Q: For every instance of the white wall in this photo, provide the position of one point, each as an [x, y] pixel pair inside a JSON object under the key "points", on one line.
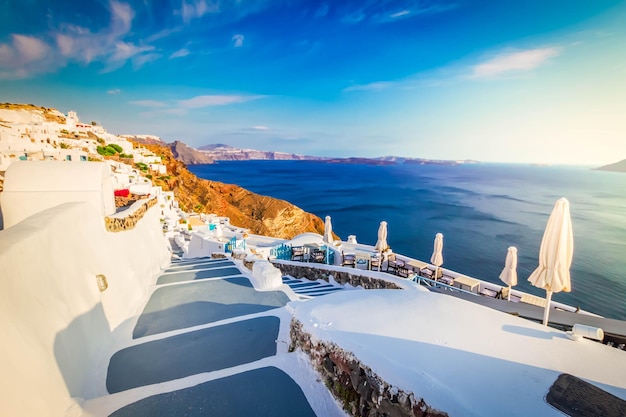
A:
{"points": [[56, 325], [33, 186]]}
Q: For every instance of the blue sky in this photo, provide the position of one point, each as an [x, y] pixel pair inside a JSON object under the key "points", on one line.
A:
{"points": [[503, 81]]}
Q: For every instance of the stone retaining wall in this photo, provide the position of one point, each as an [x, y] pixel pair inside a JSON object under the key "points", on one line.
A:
{"points": [[349, 276], [362, 392], [120, 224]]}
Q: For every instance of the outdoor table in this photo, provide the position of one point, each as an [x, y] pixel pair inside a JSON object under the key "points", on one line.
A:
{"points": [[417, 266], [471, 283]]}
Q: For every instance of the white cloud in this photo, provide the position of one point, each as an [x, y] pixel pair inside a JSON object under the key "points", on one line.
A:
{"points": [[214, 100], [107, 45], [29, 48], [160, 112], [260, 128], [180, 53], [148, 103], [375, 86], [24, 56], [513, 62], [400, 14], [141, 60], [238, 40], [198, 8], [114, 91]]}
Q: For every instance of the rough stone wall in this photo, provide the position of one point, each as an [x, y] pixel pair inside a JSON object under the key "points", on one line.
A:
{"points": [[362, 392], [119, 224], [349, 276]]}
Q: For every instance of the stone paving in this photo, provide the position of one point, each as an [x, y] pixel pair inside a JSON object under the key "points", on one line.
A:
{"points": [[199, 293]]}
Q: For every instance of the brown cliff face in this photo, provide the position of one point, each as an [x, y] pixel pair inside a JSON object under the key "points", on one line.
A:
{"points": [[260, 214]]}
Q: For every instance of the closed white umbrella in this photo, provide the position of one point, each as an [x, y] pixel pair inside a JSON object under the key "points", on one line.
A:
{"points": [[509, 273], [381, 243], [555, 255], [437, 256], [328, 231]]}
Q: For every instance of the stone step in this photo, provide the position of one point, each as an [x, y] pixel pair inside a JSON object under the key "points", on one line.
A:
{"points": [[264, 392], [192, 353], [195, 303]]}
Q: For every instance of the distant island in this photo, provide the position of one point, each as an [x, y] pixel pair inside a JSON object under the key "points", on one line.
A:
{"points": [[616, 167], [209, 154]]}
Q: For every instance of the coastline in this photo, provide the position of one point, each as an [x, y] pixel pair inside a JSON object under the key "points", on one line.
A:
{"points": [[478, 222]]}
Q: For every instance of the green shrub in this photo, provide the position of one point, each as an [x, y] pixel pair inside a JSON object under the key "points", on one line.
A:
{"points": [[126, 155], [143, 167], [105, 151], [149, 176], [117, 147]]}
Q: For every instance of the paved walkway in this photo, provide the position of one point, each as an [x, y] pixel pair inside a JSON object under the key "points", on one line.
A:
{"points": [[182, 342]]}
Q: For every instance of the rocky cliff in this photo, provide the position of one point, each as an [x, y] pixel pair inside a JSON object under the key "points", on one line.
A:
{"points": [[188, 155], [221, 152], [260, 214], [616, 167]]}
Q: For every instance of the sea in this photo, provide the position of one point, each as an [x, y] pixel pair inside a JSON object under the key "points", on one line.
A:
{"points": [[481, 209]]}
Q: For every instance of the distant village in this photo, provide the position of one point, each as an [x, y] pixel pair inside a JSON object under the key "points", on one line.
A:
{"points": [[29, 133]]}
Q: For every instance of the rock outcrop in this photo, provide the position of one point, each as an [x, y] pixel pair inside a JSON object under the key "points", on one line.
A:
{"points": [[260, 214], [221, 152], [189, 155], [616, 167]]}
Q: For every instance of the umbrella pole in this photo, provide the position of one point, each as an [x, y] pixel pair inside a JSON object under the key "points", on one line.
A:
{"points": [[508, 298], [547, 310]]}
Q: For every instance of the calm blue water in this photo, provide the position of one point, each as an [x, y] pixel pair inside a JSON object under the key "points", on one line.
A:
{"points": [[481, 210]]}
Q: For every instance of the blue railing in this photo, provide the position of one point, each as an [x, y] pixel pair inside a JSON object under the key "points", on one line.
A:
{"points": [[282, 252], [234, 244], [330, 255]]}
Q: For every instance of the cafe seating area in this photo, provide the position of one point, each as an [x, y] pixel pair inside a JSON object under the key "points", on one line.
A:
{"points": [[360, 258]]}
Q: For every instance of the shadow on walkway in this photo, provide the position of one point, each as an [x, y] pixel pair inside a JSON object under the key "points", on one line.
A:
{"points": [[265, 392], [182, 306], [193, 275], [192, 353], [201, 265]]}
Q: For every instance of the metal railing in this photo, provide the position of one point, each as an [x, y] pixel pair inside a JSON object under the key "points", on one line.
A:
{"points": [[436, 284], [235, 244], [282, 252]]}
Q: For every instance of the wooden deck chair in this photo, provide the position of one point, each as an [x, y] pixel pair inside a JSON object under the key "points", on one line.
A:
{"points": [[393, 263], [297, 253], [376, 262], [317, 255], [348, 259], [403, 271]]}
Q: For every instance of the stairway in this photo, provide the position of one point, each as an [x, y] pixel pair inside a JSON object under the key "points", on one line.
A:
{"points": [[207, 343]]}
